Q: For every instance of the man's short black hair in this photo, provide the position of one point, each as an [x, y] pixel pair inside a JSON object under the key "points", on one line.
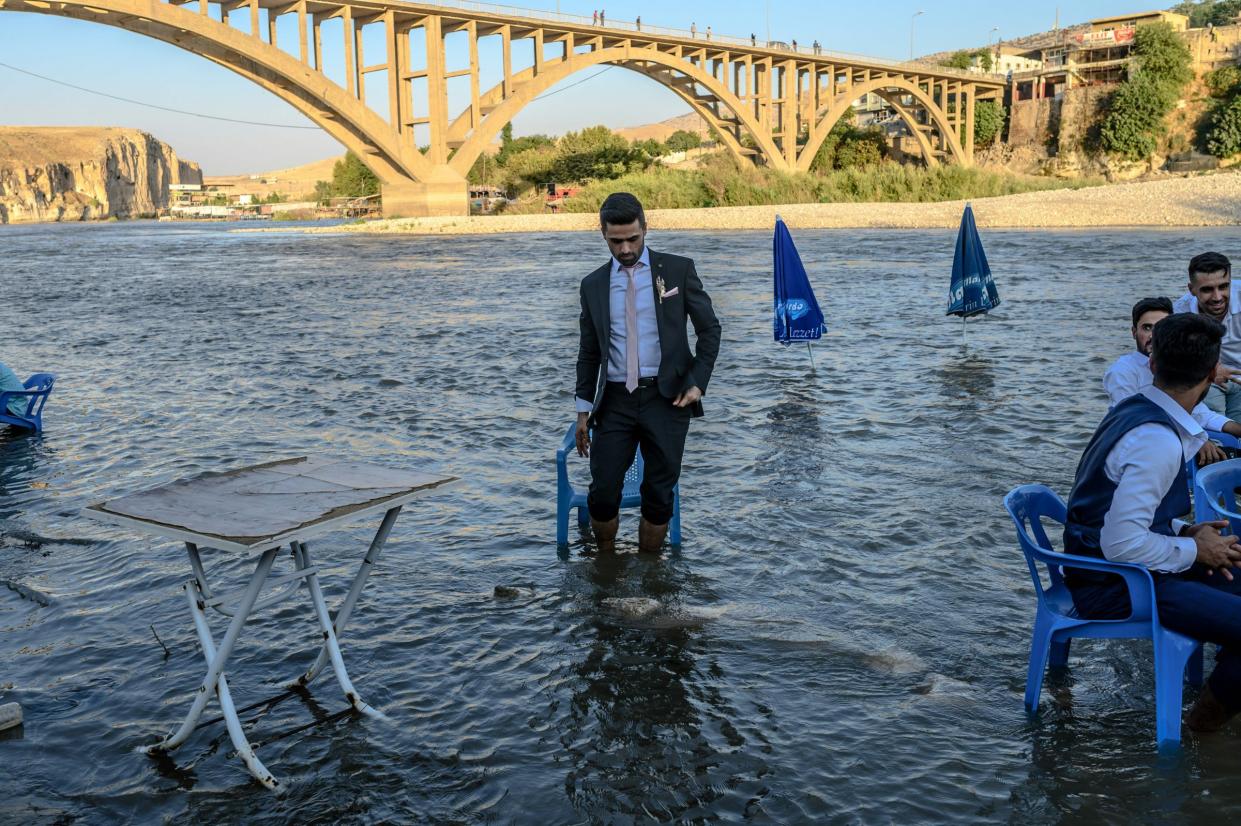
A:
{"points": [[1184, 349], [1151, 305], [1209, 262], [621, 208]]}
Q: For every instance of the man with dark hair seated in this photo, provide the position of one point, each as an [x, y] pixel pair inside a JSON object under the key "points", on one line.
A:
{"points": [[1211, 293], [1130, 488], [1131, 374]]}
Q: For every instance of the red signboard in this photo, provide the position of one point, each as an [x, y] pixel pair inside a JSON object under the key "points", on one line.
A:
{"points": [[1107, 37]]}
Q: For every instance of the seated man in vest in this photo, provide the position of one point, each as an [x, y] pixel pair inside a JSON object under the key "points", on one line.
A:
{"points": [[1130, 488], [1131, 374]]}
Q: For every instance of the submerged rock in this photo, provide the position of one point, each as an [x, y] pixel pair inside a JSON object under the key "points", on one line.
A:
{"points": [[512, 591], [632, 607]]}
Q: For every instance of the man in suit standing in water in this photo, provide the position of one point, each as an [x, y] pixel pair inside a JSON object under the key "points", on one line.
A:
{"points": [[638, 384]]}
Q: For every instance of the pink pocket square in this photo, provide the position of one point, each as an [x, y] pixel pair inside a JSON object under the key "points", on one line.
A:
{"points": [[669, 293]]}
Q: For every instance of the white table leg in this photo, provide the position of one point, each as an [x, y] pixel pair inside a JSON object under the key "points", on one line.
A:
{"points": [[329, 634], [227, 709], [217, 659], [355, 590]]}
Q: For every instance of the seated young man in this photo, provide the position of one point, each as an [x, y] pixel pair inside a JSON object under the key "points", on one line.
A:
{"points": [[1130, 488], [1131, 373]]}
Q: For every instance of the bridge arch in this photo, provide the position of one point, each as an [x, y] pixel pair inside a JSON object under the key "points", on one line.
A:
{"points": [[890, 89], [743, 90], [329, 106], [526, 85]]}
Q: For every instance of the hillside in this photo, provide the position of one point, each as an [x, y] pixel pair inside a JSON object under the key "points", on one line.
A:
{"points": [[71, 173]]}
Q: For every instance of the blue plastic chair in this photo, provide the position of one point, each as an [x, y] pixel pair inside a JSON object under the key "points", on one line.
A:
{"points": [[37, 389], [1192, 465], [1056, 621], [1215, 493], [568, 497]]}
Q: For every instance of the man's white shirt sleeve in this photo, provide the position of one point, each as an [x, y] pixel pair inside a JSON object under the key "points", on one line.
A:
{"points": [[1122, 381], [1144, 465]]}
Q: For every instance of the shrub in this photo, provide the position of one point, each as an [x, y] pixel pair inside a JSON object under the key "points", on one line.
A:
{"points": [[1224, 138], [989, 117], [683, 140], [1135, 118], [1223, 82]]}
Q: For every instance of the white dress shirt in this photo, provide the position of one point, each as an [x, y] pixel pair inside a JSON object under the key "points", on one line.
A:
{"points": [[1230, 347], [1144, 465], [649, 354], [1131, 374]]}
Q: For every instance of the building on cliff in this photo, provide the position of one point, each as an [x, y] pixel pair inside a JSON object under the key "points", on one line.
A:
{"points": [[86, 173]]}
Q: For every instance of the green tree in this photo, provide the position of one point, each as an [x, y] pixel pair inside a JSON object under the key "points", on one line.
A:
{"points": [[511, 146], [1224, 139], [594, 153], [960, 59], [531, 166], [651, 148], [1161, 51], [1214, 12], [1135, 118], [862, 149], [683, 140], [352, 179], [989, 117], [984, 59], [323, 192]]}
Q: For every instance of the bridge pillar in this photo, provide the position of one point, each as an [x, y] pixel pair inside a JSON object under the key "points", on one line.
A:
{"points": [[443, 193]]}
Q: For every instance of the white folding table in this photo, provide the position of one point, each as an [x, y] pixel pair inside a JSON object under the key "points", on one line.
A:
{"points": [[255, 511]]}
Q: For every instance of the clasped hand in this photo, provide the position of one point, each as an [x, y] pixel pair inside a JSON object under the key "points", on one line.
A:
{"points": [[1218, 552]]}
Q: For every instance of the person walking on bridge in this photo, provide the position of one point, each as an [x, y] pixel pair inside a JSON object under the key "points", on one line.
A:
{"points": [[594, 20], [693, 30], [638, 385]]}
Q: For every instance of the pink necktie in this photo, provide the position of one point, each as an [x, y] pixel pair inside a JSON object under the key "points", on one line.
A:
{"points": [[631, 332]]}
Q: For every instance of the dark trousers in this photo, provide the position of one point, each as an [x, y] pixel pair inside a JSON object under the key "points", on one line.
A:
{"points": [[628, 421], [1207, 608]]}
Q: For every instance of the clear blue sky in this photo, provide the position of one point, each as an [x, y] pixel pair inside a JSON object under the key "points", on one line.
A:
{"points": [[133, 66]]}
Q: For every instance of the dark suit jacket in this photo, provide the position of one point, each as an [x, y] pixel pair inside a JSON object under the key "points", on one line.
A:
{"points": [[679, 370]]}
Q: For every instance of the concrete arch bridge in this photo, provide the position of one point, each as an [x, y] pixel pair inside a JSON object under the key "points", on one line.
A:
{"points": [[771, 104]]}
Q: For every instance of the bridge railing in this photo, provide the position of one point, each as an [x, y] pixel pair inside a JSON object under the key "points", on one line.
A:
{"points": [[700, 36]]}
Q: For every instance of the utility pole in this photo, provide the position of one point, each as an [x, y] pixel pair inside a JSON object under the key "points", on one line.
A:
{"points": [[916, 15]]}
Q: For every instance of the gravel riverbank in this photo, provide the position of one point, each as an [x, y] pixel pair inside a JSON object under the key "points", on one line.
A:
{"points": [[1206, 200]]}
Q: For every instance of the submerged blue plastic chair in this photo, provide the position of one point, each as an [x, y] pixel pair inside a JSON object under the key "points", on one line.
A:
{"points": [[568, 497], [1056, 621], [37, 389]]}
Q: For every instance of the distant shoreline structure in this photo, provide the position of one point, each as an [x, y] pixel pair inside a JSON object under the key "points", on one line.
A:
{"points": [[1197, 201]]}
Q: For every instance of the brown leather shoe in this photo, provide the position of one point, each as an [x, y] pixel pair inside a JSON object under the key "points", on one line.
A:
{"points": [[1208, 714]]}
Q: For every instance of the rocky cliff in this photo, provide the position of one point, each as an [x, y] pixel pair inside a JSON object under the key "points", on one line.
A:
{"points": [[86, 173]]}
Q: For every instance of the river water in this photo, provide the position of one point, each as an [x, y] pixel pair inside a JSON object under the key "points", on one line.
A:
{"points": [[842, 638]]}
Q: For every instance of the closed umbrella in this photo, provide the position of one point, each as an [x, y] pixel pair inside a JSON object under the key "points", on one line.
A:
{"points": [[797, 313], [973, 289]]}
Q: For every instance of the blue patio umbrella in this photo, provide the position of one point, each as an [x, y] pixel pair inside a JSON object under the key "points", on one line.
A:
{"points": [[972, 291], [797, 313]]}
